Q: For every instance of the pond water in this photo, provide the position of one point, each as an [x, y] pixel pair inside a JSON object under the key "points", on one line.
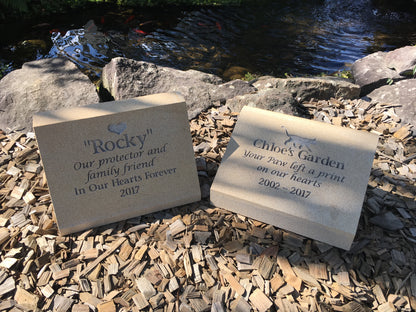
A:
{"points": [[294, 37]]}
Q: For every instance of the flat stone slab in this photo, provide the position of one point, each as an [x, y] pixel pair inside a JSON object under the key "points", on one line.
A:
{"points": [[301, 175], [116, 160]]}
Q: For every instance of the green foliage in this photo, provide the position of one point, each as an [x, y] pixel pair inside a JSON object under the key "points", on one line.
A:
{"points": [[414, 72], [16, 5], [3, 70], [248, 77], [12, 9], [172, 2], [390, 81], [347, 74]]}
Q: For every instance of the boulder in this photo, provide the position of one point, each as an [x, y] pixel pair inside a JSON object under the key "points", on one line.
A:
{"points": [[285, 95], [125, 78], [230, 89], [403, 93], [374, 70], [270, 99], [322, 88], [41, 85]]}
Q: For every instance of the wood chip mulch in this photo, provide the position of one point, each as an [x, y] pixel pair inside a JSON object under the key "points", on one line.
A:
{"points": [[202, 258]]}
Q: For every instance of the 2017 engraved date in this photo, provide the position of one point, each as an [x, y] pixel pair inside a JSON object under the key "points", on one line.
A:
{"points": [[299, 192], [132, 190]]}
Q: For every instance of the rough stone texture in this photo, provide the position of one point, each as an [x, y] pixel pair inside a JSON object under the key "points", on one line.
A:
{"points": [[231, 89], [374, 70], [42, 85], [125, 78], [402, 92], [284, 95], [322, 88], [270, 99]]}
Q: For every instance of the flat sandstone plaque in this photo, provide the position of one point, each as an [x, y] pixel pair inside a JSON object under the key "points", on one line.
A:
{"points": [[111, 161], [300, 175]]}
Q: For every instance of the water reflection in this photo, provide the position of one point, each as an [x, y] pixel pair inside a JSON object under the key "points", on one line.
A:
{"points": [[87, 47], [297, 37]]}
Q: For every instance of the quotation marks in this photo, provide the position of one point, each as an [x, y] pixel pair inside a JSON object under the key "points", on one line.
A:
{"points": [[117, 128]]}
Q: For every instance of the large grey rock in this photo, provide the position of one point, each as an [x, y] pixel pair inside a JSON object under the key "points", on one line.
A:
{"points": [[269, 99], [285, 95], [230, 89], [402, 92], [125, 78], [374, 70], [42, 85]]}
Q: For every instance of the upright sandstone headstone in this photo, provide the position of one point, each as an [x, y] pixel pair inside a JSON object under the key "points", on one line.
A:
{"points": [[111, 161], [301, 175]]}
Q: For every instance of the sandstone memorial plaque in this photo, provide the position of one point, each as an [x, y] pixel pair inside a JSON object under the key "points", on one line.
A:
{"points": [[301, 175], [112, 161]]}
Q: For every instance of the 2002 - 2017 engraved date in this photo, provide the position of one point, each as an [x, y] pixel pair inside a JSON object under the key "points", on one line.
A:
{"points": [[292, 190]]}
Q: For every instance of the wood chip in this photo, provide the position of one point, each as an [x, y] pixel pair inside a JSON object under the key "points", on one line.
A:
{"points": [[141, 252], [89, 299], [125, 251], [187, 264], [199, 305], [318, 270], [145, 287], [260, 301], [197, 257], [197, 254], [276, 282], [402, 133], [106, 307], [267, 267], [294, 281], [7, 285], [8, 263], [285, 266], [108, 252], [47, 291], [177, 227], [26, 299], [304, 275], [80, 308], [386, 307], [4, 235], [241, 305], [60, 274], [62, 304], [234, 284]]}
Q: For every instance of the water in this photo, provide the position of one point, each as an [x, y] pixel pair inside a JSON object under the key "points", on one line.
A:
{"points": [[294, 37]]}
